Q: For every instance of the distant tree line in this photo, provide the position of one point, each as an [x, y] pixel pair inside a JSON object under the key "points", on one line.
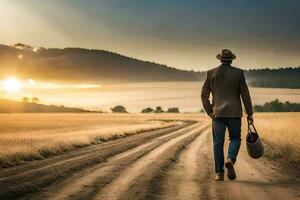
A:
{"points": [[274, 78], [30, 100], [158, 109], [277, 106]]}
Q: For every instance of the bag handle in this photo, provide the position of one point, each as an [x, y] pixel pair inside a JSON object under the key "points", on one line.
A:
{"points": [[249, 129]]}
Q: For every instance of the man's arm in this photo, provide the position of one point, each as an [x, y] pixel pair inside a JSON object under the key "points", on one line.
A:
{"points": [[246, 97], [205, 92]]}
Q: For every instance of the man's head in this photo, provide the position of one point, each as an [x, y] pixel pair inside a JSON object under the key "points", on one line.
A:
{"points": [[226, 56]]}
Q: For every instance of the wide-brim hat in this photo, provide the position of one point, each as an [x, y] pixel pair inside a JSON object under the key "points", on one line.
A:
{"points": [[226, 55]]}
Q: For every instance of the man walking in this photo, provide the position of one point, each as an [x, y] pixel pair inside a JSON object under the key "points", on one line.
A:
{"points": [[227, 85]]}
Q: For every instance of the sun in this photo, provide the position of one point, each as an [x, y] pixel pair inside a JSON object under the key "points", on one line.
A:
{"points": [[12, 84]]}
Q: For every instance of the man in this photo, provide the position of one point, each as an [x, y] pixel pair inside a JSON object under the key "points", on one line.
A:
{"points": [[227, 85]]}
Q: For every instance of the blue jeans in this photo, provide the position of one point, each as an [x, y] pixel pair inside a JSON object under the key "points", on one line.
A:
{"points": [[219, 127]]}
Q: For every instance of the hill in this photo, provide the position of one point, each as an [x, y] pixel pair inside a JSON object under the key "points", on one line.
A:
{"points": [[76, 64], [9, 106], [98, 66]]}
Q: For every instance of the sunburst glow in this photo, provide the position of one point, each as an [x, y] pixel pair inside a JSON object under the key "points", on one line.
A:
{"points": [[12, 84]]}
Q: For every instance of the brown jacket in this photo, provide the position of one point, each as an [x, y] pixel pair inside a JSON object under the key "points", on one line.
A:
{"points": [[227, 84]]}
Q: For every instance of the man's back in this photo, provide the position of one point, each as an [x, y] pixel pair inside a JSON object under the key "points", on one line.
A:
{"points": [[227, 84]]}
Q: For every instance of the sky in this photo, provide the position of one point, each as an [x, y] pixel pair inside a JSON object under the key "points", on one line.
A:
{"points": [[186, 34]]}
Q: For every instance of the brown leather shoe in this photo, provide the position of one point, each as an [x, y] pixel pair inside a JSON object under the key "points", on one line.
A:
{"points": [[230, 169], [219, 177]]}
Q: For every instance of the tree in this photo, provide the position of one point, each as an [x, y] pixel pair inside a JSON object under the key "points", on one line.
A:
{"points": [[147, 110], [119, 109], [159, 110], [35, 100], [25, 99], [277, 106], [173, 110]]}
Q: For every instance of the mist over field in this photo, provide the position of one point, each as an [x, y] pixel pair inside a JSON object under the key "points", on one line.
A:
{"points": [[137, 96]]}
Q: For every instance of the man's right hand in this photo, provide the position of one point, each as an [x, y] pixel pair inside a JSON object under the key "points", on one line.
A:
{"points": [[250, 119]]}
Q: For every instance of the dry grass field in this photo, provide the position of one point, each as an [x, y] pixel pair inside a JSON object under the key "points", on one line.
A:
{"points": [[281, 134], [27, 137]]}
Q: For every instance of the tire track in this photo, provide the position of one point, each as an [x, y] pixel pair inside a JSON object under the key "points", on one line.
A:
{"points": [[191, 177], [182, 180], [86, 182], [35, 179], [131, 183]]}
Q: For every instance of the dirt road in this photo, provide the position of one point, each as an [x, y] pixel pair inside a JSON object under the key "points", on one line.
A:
{"points": [[171, 163]]}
